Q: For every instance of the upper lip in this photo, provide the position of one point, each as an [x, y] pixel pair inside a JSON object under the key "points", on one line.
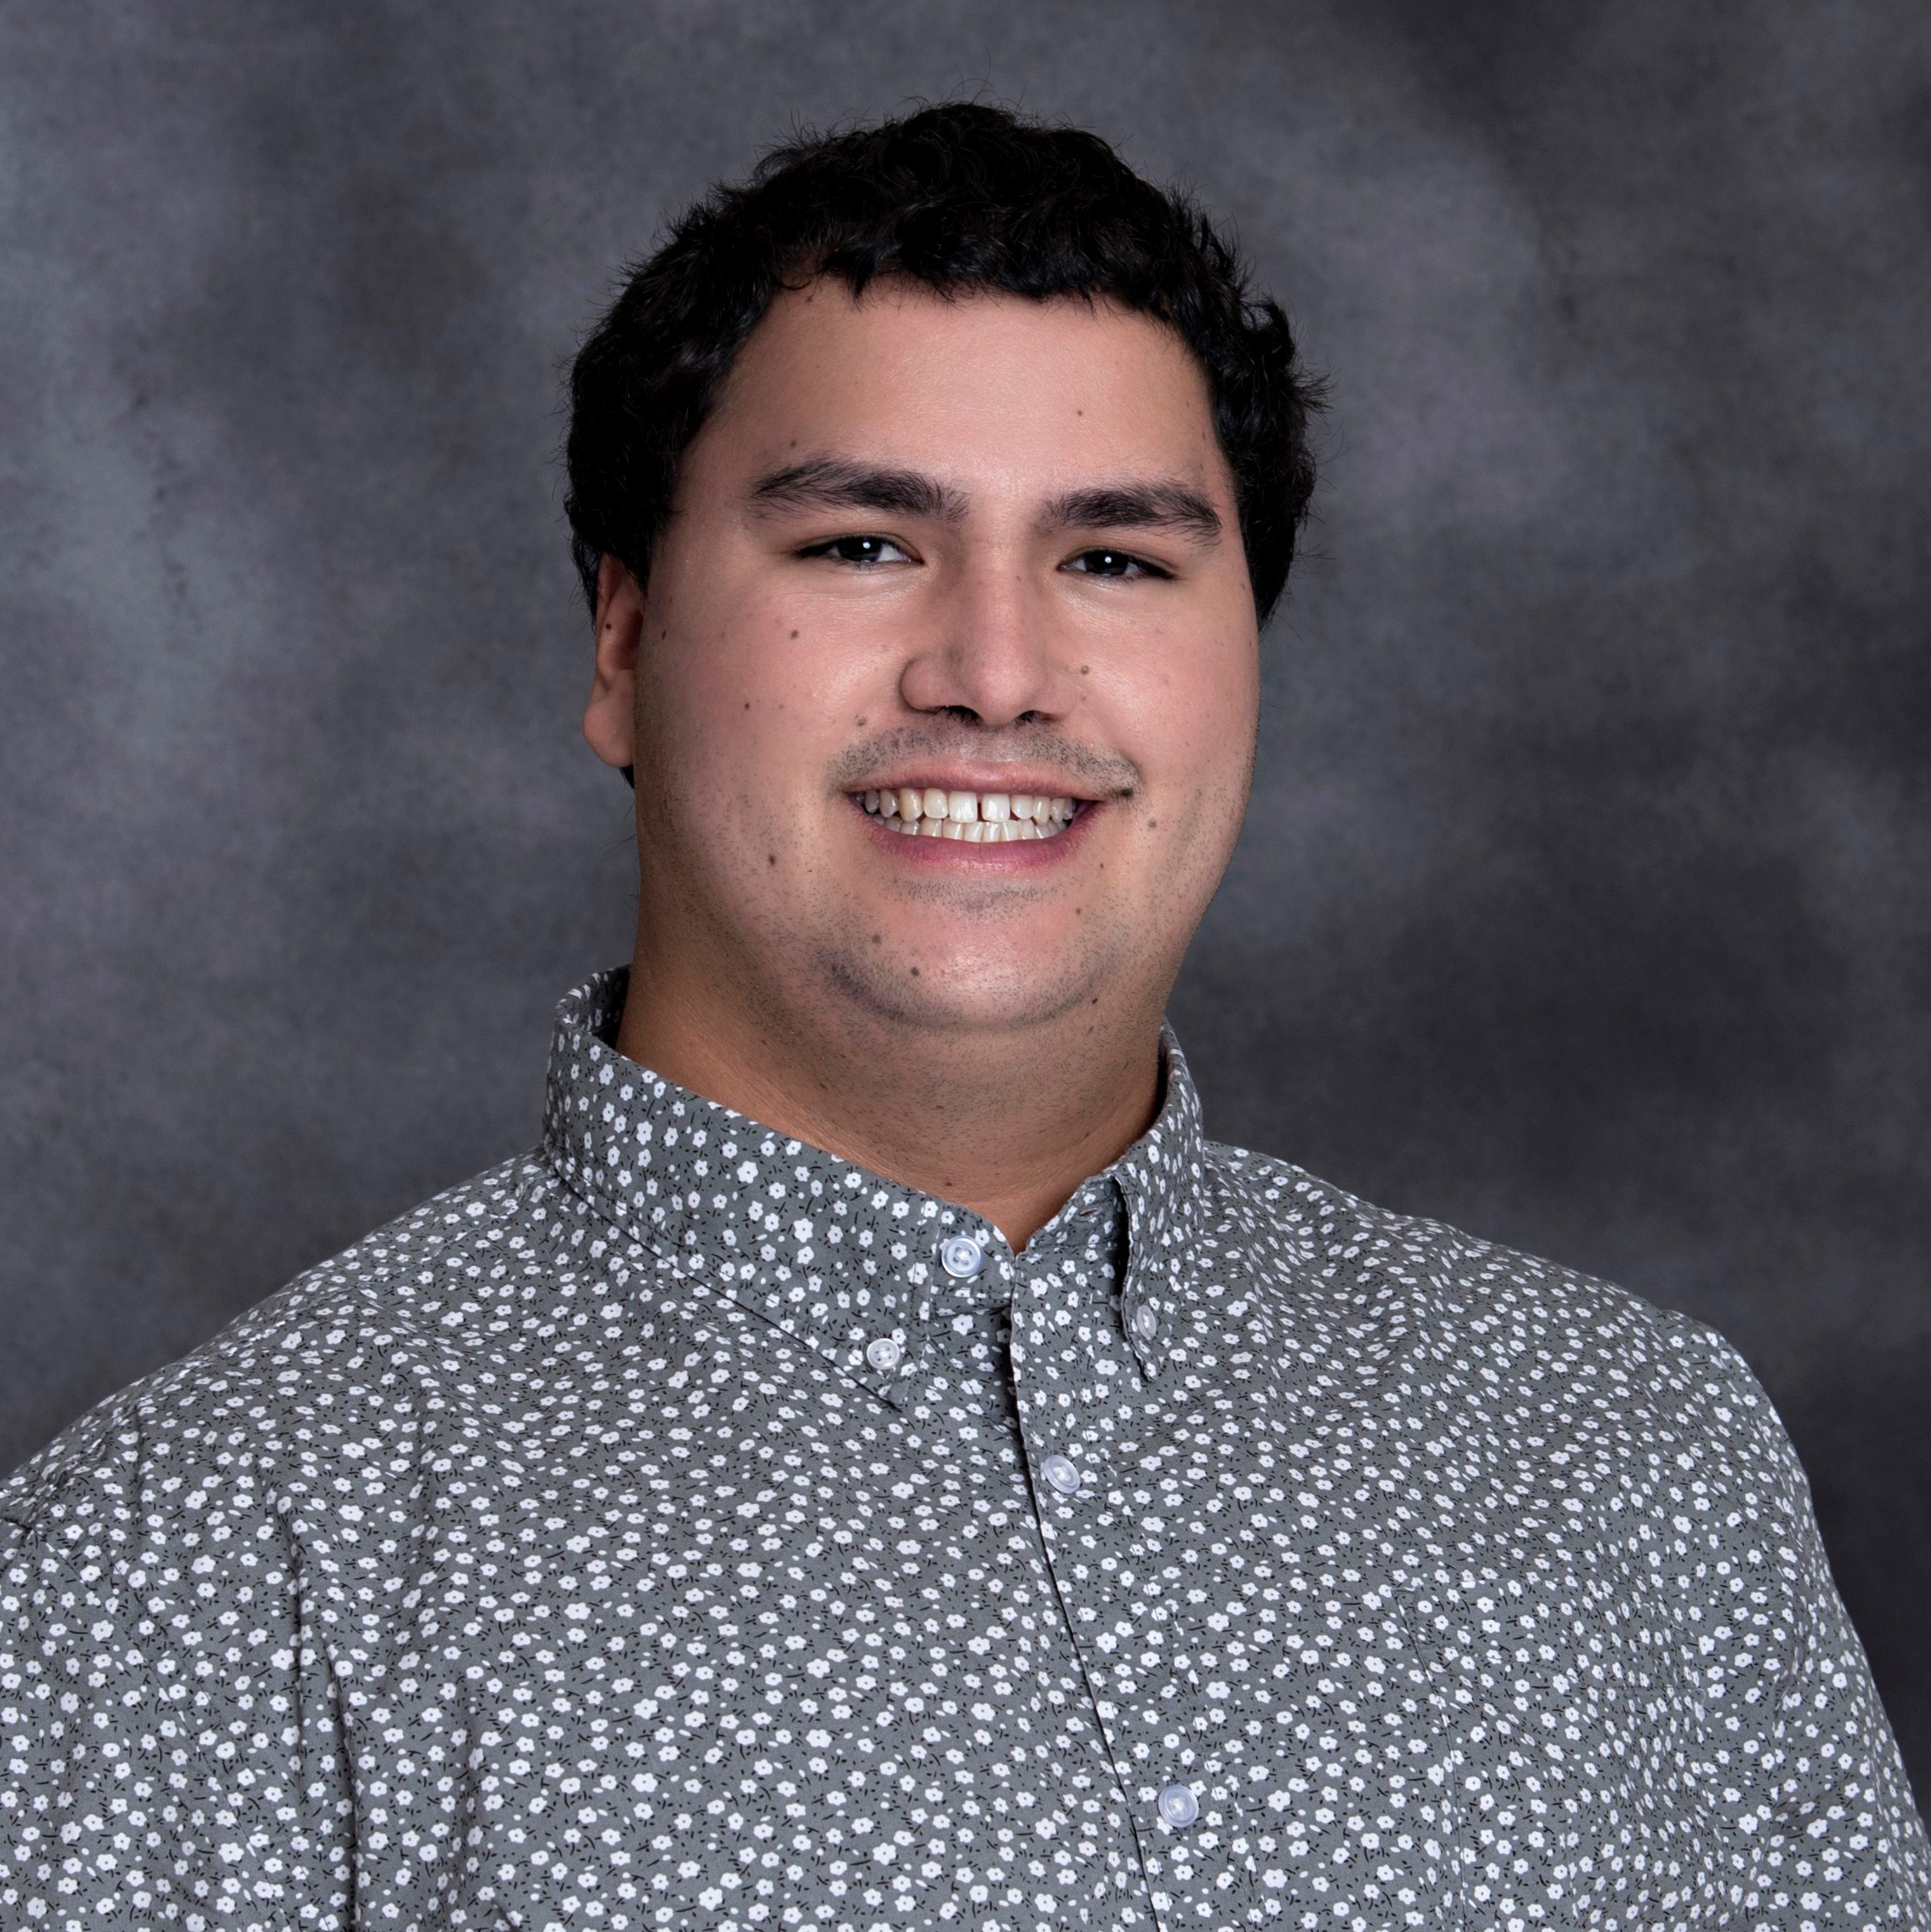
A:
{"points": [[925, 778]]}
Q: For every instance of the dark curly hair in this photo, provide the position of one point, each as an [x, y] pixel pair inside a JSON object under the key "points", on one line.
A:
{"points": [[962, 198]]}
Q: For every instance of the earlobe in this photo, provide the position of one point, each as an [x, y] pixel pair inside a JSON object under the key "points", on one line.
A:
{"points": [[610, 718]]}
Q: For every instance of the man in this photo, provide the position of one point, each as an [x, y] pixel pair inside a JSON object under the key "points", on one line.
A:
{"points": [[875, 1463]]}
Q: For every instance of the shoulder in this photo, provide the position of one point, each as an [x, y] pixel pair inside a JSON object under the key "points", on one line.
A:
{"points": [[1481, 1323], [275, 1387]]}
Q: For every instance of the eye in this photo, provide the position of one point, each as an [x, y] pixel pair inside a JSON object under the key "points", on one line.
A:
{"points": [[862, 550], [1112, 563]]}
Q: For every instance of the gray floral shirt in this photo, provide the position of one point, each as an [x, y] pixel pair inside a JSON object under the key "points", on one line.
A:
{"points": [[681, 1527]]}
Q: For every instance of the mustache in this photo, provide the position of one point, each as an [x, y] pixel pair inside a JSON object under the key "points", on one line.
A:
{"points": [[1095, 773]]}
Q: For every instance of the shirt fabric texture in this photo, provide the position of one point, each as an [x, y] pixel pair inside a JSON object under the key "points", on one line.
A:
{"points": [[679, 1526]]}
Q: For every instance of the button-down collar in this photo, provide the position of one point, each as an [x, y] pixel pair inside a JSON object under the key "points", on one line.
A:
{"points": [[842, 1258]]}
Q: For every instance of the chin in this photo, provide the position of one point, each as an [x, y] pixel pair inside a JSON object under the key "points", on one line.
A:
{"points": [[966, 995]]}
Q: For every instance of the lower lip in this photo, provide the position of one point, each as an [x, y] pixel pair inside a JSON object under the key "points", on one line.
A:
{"points": [[1025, 855]]}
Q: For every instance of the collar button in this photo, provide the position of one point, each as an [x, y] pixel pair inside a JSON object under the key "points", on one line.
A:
{"points": [[961, 1257], [884, 1353]]}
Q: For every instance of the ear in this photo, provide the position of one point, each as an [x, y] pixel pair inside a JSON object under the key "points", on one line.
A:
{"points": [[610, 718]]}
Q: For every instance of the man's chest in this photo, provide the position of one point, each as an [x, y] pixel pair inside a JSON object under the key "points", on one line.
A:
{"points": [[745, 1640]]}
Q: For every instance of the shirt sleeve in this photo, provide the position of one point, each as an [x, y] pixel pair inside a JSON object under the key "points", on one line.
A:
{"points": [[170, 1749], [1800, 1765]]}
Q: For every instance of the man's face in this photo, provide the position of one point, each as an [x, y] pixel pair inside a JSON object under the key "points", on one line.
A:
{"points": [[970, 564]]}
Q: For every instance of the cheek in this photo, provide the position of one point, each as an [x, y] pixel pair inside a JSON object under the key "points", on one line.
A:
{"points": [[750, 694], [1199, 710]]}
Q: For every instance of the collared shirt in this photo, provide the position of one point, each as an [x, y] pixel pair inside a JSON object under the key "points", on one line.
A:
{"points": [[681, 1527]]}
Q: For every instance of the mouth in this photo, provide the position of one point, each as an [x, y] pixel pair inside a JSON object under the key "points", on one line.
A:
{"points": [[978, 817]]}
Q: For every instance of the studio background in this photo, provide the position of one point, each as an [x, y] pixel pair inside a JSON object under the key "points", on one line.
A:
{"points": [[1587, 894]]}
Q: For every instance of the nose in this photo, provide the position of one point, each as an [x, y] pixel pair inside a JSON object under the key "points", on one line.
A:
{"points": [[989, 653]]}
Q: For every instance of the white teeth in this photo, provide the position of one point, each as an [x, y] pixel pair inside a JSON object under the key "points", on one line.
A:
{"points": [[982, 818]]}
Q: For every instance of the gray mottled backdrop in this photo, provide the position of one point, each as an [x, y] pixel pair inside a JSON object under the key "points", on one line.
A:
{"points": [[1586, 897]]}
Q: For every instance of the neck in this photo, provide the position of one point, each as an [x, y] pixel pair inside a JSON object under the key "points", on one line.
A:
{"points": [[1007, 1125]]}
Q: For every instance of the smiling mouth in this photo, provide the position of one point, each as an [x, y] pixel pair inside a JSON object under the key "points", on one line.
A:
{"points": [[979, 817]]}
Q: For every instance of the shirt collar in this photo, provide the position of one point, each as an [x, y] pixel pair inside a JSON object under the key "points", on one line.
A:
{"points": [[846, 1261]]}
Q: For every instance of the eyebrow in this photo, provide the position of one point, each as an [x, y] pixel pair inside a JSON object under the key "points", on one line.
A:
{"points": [[831, 483], [1171, 506], [836, 483]]}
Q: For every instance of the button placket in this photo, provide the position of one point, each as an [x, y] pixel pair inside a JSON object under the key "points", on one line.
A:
{"points": [[1086, 1528], [1179, 1790]]}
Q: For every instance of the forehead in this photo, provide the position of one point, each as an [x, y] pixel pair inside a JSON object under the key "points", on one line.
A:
{"points": [[998, 390]]}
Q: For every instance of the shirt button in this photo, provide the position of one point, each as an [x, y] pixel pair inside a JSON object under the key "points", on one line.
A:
{"points": [[1059, 1471], [961, 1257], [883, 1353], [1145, 1323], [1178, 1807]]}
